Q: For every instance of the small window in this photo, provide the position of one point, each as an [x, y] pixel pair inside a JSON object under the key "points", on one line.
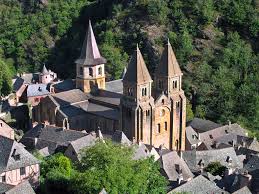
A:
{"points": [[22, 171], [163, 101], [175, 84], [158, 128], [130, 91], [148, 113], [226, 131], [3, 178], [100, 72], [36, 100], [144, 91], [211, 137], [81, 71], [166, 126], [1, 124], [90, 72], [17, 157]]}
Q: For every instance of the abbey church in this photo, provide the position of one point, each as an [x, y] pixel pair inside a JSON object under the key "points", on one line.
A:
{"points": [[146, 110]]}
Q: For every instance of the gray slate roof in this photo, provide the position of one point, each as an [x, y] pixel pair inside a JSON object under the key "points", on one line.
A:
{"points": [[170, 161], [243, 190], [201, 125], [38, 90], [83, 142], [141, 152], [9, 148], [30, 78], [90, 54], [120, 137], [114, 86], [17, 83], [65, 85], [198, 185], [22, 188], [51, 137], [192, 135], [194, 158], [5, 187]]}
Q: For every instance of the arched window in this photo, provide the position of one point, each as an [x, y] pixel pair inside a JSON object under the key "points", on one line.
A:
{"points": [[90, 72], [81, 71], [175, 84], [100, 72], [158, 128], [144, 91]]}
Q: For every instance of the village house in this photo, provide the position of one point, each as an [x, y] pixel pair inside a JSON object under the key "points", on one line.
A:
{"points": [[6, 130], [16, 163]]}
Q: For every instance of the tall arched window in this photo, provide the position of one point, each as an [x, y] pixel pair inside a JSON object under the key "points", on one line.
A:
{"points": [[100, 72], [90, 72], [81, 71]]}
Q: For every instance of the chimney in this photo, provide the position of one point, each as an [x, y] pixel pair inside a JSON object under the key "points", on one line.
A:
{"points": [[180, 178]]}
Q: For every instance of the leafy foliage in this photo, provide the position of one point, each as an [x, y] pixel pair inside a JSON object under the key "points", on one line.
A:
{"points": [[215, 168], [104, 165]]}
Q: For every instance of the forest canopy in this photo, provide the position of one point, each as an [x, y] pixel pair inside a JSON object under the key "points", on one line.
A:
{"points": [[216, 43]]}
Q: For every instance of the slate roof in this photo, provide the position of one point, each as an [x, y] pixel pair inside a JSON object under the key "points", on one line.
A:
{"points": [[168, 65], [243, 190], [51, 137], [38, 90], [65, 85], [22, 188], [115, 86], [170, 161], [120, 137], [70, 97], [103, 111], [137, 70], [90, 54], [198, 185], [18, 82], [194, 158], [201, 125], [210, 136], [8, 148], [107, 98], [5, 187], [30, 77], [44, 70], [83, 142], [141, 152], [192, 135]]}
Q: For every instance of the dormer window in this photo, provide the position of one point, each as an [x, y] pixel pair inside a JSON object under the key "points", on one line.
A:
{"points": [[211, 137], [3, 179], [17, 157], [226, 131]]}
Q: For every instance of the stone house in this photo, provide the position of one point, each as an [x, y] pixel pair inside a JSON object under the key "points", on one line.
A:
{"points": [[17, 164], [6, 130]]}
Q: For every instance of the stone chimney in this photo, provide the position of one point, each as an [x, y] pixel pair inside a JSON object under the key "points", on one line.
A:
{"points": [[180, 178]]}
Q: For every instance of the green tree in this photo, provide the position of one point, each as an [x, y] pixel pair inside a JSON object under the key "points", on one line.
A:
{"points": [[215, 168], [111, 166], [5, 79]]}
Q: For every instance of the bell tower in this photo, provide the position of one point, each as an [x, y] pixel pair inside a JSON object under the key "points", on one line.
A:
{"points": [[168, 80], [90, 65], [137, 104]]}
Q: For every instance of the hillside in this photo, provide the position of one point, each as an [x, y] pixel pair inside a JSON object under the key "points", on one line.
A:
{"points": [[216, 43]]}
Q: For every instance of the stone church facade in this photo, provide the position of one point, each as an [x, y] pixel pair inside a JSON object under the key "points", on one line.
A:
{"points": [[146, 110]]}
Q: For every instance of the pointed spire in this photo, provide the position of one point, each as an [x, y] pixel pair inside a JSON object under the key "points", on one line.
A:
{"points": [[137, 71], [168, 65], [44, 70], [90, 54]]}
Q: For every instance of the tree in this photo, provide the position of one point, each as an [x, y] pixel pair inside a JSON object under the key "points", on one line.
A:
{"points": [[5, 78], [215, 168], [111, 166]]}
